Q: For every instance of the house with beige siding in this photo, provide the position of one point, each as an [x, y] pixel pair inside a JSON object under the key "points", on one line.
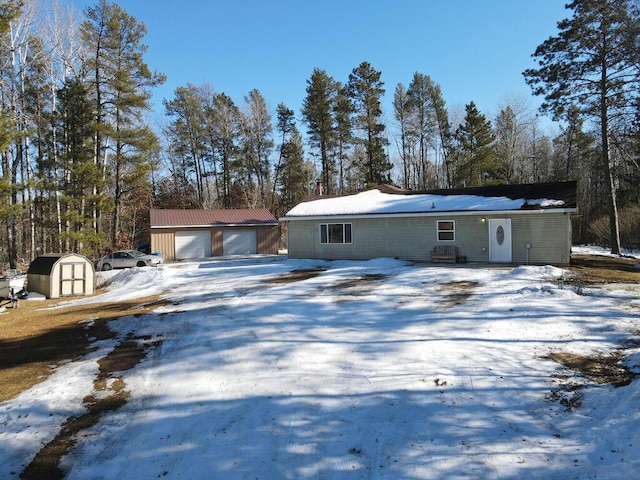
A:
{"points": [[509, 224], [189, 234]]}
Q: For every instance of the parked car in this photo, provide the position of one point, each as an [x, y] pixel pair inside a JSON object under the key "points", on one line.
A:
{"points": [[128, 258]]}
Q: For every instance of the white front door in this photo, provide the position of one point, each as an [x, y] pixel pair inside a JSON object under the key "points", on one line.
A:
{"points": [[500, 240]]}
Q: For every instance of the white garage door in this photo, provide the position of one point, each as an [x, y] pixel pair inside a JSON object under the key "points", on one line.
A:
{"points": [[239, 242], [193, 245]]}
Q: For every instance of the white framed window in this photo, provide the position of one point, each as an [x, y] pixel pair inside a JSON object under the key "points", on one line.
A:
{"points": [[446, 230], [335, 233]]}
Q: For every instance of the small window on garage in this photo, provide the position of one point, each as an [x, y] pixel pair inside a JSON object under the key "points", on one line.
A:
{"points": [[335, 233], [446, 230]]}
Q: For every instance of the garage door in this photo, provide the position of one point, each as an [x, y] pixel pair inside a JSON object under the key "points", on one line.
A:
{"points": [[193, 245], [239, 242]]}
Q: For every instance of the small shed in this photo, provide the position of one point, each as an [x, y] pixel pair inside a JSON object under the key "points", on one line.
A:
{"points": [[188, 234], [56, 275]]}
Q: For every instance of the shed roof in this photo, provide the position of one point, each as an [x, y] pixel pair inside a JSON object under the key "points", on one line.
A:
{"points": [[43, 265], [163, 218], [389, 200]]}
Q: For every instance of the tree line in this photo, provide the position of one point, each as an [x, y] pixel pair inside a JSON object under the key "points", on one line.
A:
{"points": [[81, 166]]}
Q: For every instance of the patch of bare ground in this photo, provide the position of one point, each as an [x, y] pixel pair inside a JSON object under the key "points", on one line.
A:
{"points": [[598, 269], [456, 293], [35, 338], [602, 369], [605, 368], [297, 275], [109, 394], [360, 282]]}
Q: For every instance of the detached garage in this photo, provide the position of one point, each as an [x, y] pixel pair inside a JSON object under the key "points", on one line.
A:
{"points": [[189, 234], [58, 275]]}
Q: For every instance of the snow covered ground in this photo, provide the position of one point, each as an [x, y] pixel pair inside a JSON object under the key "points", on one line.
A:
{"points": [[360, 370]]}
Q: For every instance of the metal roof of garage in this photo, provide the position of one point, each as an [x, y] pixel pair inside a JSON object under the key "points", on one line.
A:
{"points": [[167, 218]]}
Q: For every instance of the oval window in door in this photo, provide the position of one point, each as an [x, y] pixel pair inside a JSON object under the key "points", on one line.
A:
{"points": [[500, 235]]}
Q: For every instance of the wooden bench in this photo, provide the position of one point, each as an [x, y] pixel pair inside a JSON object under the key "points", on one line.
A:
{"points": [[444, 253]]}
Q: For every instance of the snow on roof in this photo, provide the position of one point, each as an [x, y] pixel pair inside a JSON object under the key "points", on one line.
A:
{"points": [[377, 202]]}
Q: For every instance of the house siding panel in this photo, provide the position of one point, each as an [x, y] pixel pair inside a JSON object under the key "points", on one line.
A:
{"points": [[549, 236], [164, 241], [369, 240], [217, 242], [413, 238], [268, 240]]}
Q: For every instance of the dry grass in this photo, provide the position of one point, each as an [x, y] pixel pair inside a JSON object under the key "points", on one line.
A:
{"points": [[362, 282], [297, 275], [456, 293], [35, 337], [603, 369], [594, 269]]}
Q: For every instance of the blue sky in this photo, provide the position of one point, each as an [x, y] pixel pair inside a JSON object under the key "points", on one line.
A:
{"points": [[475, 50]]}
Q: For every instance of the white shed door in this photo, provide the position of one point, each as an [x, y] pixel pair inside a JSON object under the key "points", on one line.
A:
{"points": [[239, 242], [193, 245], [73, 277], [500, 240]]}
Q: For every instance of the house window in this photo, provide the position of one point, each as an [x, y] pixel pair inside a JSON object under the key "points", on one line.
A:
{"points": [[335, 233], [446, 230]]}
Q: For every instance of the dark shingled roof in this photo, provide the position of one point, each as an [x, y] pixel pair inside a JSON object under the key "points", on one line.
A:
{"points": [[564, 191], [191, 218]]}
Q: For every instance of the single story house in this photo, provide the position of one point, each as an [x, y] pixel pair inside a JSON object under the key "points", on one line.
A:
{"points": [[185, 234], [513, 224]]}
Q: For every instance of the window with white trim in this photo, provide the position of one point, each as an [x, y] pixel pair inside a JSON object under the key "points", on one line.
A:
{"points": [[335, 233], [446, 230]]}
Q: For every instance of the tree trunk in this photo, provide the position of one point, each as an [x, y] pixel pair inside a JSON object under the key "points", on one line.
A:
{"points": [[614, 228]]}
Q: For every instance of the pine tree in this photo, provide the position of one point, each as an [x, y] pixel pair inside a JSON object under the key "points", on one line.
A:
{"points": [[365, 90], [295, 174], [476, 139], [318, 111], [187, 149], [225, 130], [257, 143], [286, 126], [423, 123], [445, 135], [342, 110], [402, 111], [507, 143], [76, 171], [590, 64], [121, 83], [14, 42]]}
